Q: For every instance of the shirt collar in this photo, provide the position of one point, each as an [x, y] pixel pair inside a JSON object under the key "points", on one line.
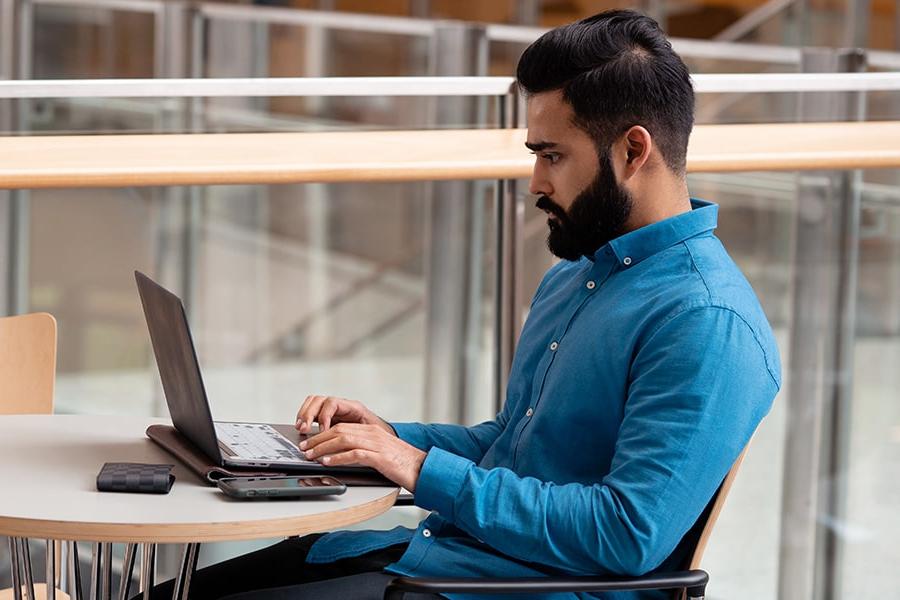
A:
{"points": [[635, 246]]}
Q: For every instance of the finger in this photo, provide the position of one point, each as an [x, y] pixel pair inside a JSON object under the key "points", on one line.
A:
{"points": [[301, 411], [310, 413], [304, 409], [352, 457], [340, 431], [329, 407], [299, 419], [339, 444]]}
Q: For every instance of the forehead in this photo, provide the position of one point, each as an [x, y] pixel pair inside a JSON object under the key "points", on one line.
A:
{"points": [[550, 119]]}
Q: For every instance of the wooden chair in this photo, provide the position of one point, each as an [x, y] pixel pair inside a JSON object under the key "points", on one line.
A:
{"points": [[690, 583], [27, 364], [27, 381]]}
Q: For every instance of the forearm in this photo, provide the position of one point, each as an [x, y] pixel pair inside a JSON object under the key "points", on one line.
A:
{"points": [[468, 442], [579, 529]]}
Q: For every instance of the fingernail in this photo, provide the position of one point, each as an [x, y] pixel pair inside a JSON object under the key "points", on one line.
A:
{"points": [[309, 453], [326, 460], [303, 445]]}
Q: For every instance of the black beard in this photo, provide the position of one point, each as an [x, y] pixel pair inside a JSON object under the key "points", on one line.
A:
{"points": [[596, 216]]}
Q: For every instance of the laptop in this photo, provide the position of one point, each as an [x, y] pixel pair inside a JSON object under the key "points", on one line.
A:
{"points": [[256, 445]]}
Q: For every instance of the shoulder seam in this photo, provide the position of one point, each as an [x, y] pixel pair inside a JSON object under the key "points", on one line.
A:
{"points": [[697, 305], [697, 269]]}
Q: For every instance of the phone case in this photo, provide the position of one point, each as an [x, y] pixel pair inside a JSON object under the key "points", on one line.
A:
{"points": [[263, 491]]}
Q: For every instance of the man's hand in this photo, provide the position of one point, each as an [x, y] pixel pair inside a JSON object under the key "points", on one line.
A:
{"points": [[328, 410], [370, 446]]}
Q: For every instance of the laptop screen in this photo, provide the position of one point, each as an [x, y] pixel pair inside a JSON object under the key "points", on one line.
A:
{"points": [[178, 365]]}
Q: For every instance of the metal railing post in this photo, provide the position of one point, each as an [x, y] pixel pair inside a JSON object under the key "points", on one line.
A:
{"points": [[821, 353], [656, 10], [174, 50], [527, 12], [510, 220], [453, 243], [856, 32], [8, 38], [15, 63]]}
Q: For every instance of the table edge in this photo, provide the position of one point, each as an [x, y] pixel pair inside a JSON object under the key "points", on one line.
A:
{"points": [[195, 532]]}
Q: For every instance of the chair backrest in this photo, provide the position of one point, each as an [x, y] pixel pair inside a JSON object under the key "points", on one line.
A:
{"points": [[707, 521], [27, 363], [716, 509]]}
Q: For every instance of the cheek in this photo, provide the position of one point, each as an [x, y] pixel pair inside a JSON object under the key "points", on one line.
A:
{"points": [[569, 182]]}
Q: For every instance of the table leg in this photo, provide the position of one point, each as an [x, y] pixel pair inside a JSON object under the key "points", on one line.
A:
{"points": [[148, 569], [107, 571], [51, 570], [74, 582], [96, 575], [14, 567], [127, 571], [188, 566], [25, 553]]}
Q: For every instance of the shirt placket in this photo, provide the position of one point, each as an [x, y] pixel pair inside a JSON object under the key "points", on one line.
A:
{"points": [[590, 286]]}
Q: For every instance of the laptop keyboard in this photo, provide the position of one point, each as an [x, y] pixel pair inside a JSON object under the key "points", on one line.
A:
{"points": [[257, 441]]}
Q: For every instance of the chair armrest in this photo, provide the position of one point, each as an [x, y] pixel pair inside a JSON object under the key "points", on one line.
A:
{"points": [[694, 581]]}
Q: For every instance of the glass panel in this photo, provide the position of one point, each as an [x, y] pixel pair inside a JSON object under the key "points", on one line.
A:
{"points": [[72, 42], [294, 290], [757, 213], [872, 490]]}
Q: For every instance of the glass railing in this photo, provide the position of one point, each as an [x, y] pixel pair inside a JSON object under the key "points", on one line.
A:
{"points": [[330, 287]]}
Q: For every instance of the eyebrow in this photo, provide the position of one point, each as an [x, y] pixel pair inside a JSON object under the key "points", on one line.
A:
{"points": [[538, 146]]}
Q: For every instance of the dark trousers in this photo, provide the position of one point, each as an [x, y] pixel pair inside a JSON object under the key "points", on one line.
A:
{"points": [[280, 572]]}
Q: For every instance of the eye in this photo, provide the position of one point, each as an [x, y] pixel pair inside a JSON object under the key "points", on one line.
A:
{"points": [[551, 157]]}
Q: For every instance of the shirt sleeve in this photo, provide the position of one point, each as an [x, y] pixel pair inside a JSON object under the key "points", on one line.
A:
{"points": [[468, 442], [697, 390]]}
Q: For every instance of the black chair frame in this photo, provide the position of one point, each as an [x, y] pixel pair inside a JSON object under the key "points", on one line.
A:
{"points": [[694, 582]]}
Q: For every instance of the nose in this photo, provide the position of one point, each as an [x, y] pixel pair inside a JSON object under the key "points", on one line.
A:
{"points": [[539, 184]]}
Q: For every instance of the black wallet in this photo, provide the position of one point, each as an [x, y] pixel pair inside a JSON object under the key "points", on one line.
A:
{"points": [[135, 477]]}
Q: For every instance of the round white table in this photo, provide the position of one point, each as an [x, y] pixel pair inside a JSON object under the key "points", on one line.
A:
{"points": [[50, 466]]}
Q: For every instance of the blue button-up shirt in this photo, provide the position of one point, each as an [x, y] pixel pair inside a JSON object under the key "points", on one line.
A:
{"points": [[640, 375]]}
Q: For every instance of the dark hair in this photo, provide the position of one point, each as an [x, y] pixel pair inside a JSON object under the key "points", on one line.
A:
{"points": [[616, 69]]}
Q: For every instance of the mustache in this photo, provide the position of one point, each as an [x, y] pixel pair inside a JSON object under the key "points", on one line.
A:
{"points": [[545, 203]]}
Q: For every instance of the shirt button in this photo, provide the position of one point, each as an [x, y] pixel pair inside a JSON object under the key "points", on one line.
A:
{"points": [[426, 532], [529, 412], [590, 285], [554, 346], [627, 260]]}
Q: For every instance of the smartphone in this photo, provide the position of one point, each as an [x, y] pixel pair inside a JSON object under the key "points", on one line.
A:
{"points": [[288, 486]]}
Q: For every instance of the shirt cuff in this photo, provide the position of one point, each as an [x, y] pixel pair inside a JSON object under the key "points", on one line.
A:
{"points": [[411, 433], [440, 480]]}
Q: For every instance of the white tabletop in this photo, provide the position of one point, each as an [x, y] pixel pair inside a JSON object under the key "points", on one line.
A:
{"points": [[50, 466]]}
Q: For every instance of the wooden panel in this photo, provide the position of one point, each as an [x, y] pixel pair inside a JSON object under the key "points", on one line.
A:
{"points": [[794, 146], [261, 158], [27, 364], [40, 593]]}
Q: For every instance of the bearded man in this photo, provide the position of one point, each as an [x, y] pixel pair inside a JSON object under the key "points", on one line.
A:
{"points": [[644, 367]]}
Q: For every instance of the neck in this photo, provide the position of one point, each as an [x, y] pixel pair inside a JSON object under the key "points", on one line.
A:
{"points": [[657, 200]]}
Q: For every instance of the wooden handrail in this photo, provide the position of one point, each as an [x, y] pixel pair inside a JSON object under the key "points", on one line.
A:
{"points": [[272, 158]]}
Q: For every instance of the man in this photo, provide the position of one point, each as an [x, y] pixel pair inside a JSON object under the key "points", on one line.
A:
{"points": [[643, 369]]}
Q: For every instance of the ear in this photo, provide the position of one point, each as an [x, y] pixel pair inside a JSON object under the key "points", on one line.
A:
{"points": [[636, 147]]}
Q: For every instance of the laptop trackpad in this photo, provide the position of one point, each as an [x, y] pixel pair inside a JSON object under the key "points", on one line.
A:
{"points": [[289, 432]]}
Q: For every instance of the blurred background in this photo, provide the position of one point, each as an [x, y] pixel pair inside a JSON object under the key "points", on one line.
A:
{"points": [[387, 293]]}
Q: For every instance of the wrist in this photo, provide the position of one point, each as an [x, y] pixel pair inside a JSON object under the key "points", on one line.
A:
{"points": [[374, 419], [416, 469]]}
